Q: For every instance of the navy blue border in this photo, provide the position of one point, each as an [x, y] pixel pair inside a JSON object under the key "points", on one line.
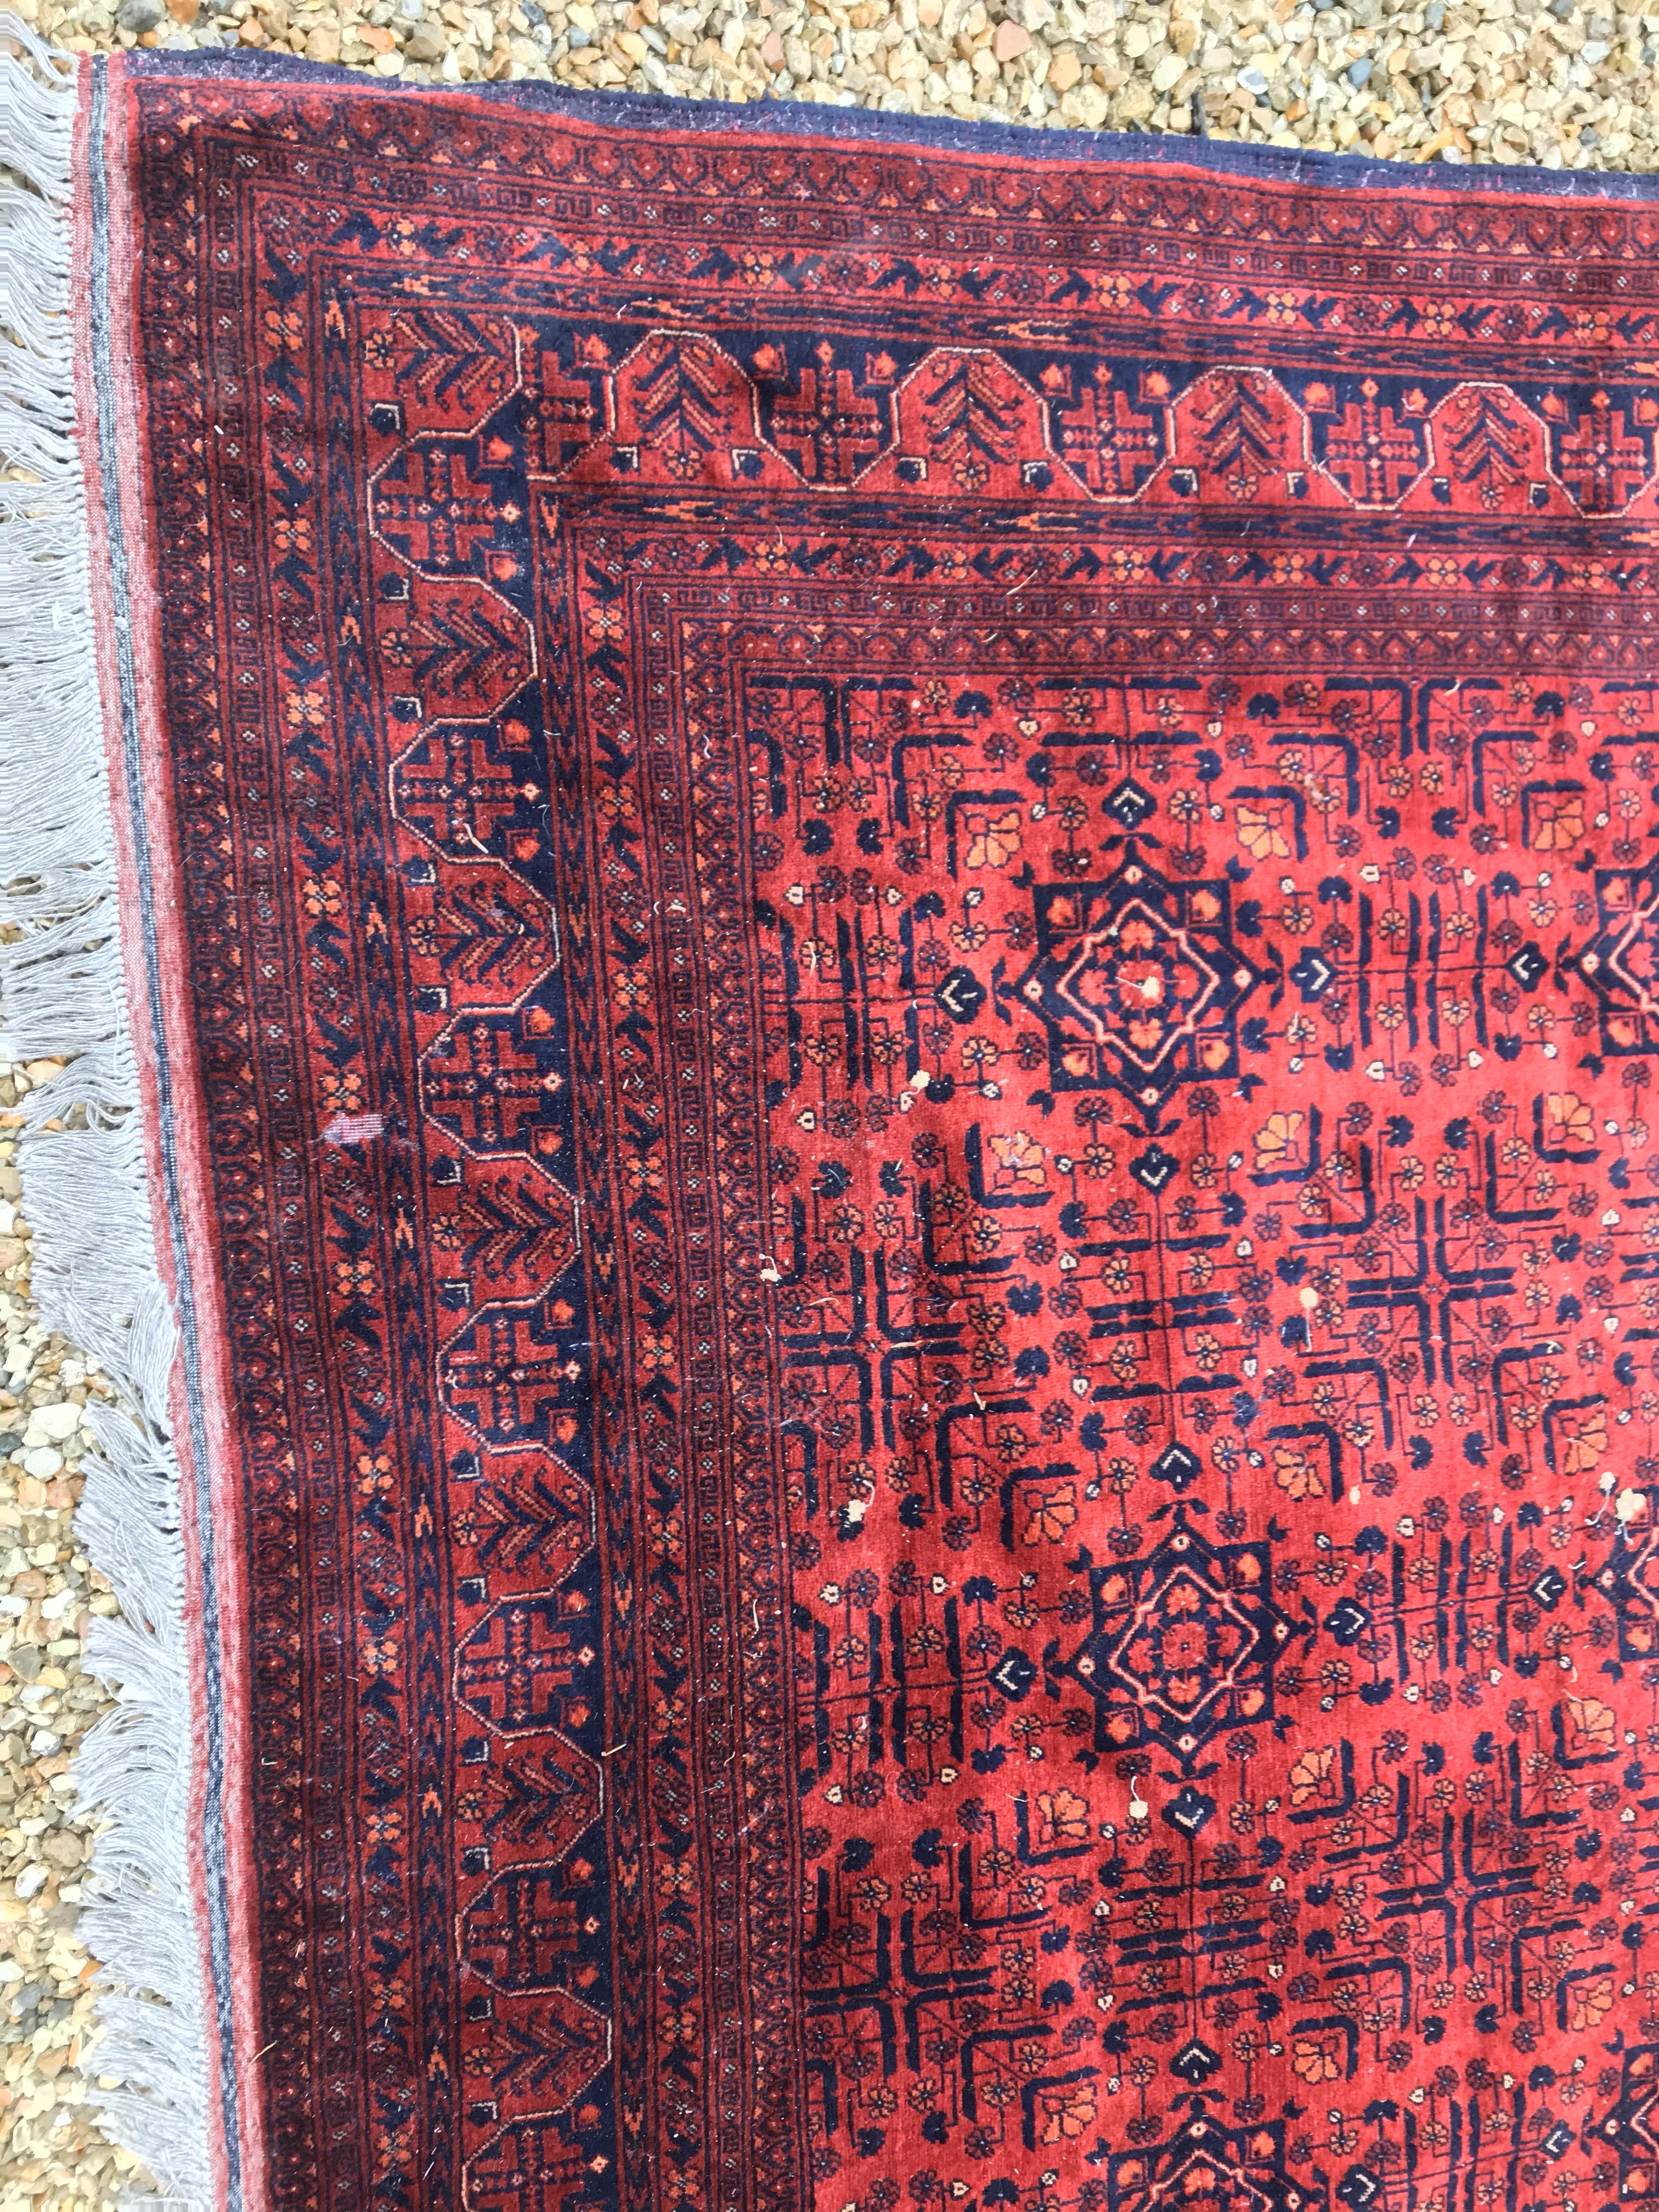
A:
{"points": [[774, 118], [211, 1775]]}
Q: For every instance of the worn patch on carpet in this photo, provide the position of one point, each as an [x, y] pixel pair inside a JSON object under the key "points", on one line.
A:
{"points": [[885, 901]]}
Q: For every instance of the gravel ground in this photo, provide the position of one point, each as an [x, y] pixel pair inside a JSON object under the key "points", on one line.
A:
{"points": [[1544, 80], [1569, 84]]}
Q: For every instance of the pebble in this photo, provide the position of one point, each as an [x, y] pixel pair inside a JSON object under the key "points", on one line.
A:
{"points": [[1557, 81], [58, 1423]]}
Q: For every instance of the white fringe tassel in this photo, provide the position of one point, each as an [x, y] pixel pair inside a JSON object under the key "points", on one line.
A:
{"points": [[95, 1274]]}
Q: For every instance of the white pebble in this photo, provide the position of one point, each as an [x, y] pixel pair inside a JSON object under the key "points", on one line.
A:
{"points": [[56, 1423]]}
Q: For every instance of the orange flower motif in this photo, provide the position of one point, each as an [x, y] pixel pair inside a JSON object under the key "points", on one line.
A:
{"points": [[1296, 1474], [1592, 2002], [1068, 2112], [1595, 1726], [617, 802], [1558, 823], [307, 709], [1064, 1816], [1278, 1142], [1050, 1513], [657, 1352], [644, 1171], [1311, 1778], [1569, 1123], [993, 839], [343, 1092], [1020, 1162], [321, 894], [1261, 833], [375, 1474], [1314, 2061]]}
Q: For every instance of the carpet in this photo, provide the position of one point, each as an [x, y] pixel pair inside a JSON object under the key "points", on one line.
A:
{"points": [[860, 920]]}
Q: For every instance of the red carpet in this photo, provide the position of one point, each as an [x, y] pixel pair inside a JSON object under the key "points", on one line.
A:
{"points": [[890, 900]]}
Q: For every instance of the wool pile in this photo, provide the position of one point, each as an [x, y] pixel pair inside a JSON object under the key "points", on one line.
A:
{"points": [[853, 927]]}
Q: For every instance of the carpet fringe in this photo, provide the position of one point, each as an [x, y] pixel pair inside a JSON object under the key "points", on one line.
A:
{"points": [[96, 1272]]}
